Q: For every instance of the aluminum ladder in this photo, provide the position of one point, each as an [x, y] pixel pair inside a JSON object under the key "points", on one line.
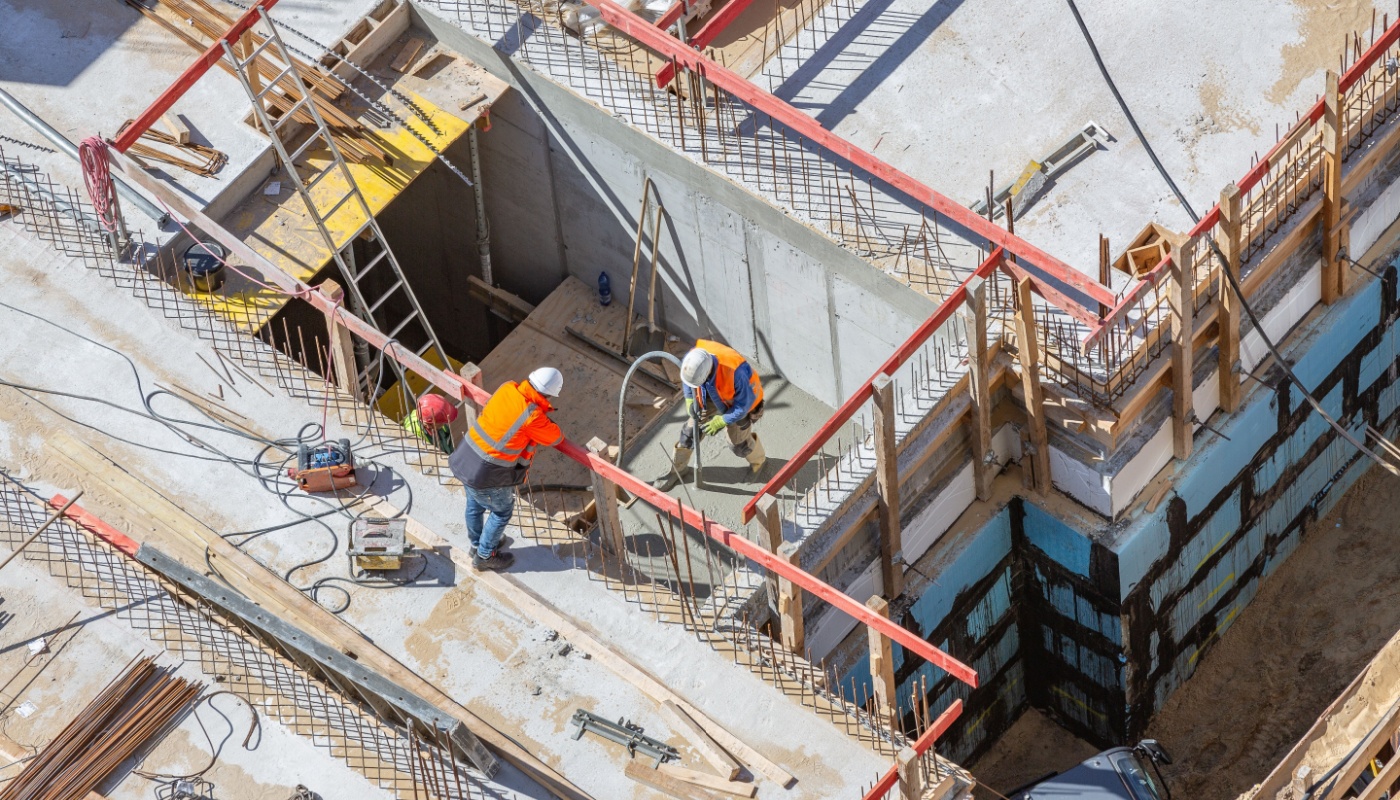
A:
{"points": [[370, 309]]}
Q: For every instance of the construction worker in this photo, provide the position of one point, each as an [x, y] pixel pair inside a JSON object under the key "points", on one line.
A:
{"points": [[495, 455], [721, 389], [430, 421]]}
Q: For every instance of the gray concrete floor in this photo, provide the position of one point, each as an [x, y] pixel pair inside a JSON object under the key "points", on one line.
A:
{"points": [[950, 90]]}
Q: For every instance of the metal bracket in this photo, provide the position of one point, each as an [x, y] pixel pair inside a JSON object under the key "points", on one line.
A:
{"points": [[627, 734]]}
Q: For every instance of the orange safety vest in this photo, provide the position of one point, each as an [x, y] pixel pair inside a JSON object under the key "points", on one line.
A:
{"points": [[500, 442], [728, 360]]}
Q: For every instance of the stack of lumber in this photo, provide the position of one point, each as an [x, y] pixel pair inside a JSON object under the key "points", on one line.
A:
{"points": [[198, 24]]}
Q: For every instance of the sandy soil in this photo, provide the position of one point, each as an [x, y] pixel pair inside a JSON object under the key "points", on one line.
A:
{"points": [[1034, 747]]}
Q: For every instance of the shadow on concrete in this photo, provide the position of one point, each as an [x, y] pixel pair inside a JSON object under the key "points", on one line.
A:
{"points": [[894, 35], [36, 29]]}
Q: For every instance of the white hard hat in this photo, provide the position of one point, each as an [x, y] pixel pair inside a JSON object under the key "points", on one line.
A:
{"points": [[547, 380], [695, 367]]}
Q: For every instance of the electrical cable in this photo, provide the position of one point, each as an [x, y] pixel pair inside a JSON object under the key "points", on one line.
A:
{"points": [[254, 726], [97, 176], [1224, 267], [272, 480]]}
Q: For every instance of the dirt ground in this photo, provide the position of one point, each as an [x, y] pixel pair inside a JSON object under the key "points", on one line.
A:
{"points": [[1314, 625], [1034, 747]]}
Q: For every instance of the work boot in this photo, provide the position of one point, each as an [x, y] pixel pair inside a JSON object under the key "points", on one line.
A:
{"points": [[680, 463], [757, 457], [499, 561], [503, 544]]}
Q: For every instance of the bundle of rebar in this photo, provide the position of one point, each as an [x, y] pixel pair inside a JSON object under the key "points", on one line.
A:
{"points": [[135, 709]]}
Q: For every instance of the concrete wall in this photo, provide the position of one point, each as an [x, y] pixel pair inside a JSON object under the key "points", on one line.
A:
{"points": [[563, 182]]}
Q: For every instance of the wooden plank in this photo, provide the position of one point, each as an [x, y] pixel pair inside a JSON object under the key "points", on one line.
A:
{"points": [[1228, 302], [407, 55], [1384, 781], [887, 487], [668, 785], [708, 748], [771, 521], [1332, 141], [1365, 752], [1028, 354], [979, 370], [176, 126], [382, 34], [883, 687], [268, 589], [582, 636], [1181, 296], [342, 344], [911, 778], [503, 303], [605, 500], [793, 629], [707, 781]]}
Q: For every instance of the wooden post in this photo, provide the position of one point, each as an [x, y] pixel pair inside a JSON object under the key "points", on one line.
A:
{"points": [[341, 342], [1181, 295], [771, 518], [1028, 353], [1331, 189], [979, 371], [911, 780], [882, 664], [790, 605], [1105, 271], [243, 48], [1229, 241], [605, 500], [472, 374], [887, 480]]}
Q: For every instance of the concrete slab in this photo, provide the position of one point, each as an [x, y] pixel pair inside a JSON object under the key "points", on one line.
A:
{"points": [[487, 655], [951, 90]]}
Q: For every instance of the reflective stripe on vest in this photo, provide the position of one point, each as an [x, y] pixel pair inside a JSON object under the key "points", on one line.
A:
{"points": [[499, 445]]}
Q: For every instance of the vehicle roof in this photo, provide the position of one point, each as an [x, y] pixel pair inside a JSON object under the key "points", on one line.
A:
{"points": [[1092, 779]]}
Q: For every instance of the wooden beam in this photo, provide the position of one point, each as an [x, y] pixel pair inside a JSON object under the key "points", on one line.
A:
{"points": [[911, 778], [980, 371], [605, 500], [706, 781], [668, 785], [707, 747], [882, 666], [1028, 354], [887, 485], [1332, 142], [793, 631], [1229, 303], [472, 374], [500, 302], [407, 55], [1181, 297], [341, 343], [770, 517], [176, 126], [1105, 270]]}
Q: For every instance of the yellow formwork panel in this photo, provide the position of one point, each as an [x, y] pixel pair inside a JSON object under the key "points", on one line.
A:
{"points": [[279, 227]]}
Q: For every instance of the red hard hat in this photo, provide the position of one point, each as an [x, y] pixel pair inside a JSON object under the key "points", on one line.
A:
{"points": [[435, 410]]}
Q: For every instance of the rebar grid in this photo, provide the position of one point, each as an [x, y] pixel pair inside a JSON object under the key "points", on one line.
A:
{"points": [[235, 657]]}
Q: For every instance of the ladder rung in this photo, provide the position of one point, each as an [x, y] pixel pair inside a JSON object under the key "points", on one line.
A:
{"points": [[317, 178], [402, 325], [428, 345], [304, 147], [272, 84], [373, 262], [387, 295], [257, 51], [287, 116], [331, 212]]}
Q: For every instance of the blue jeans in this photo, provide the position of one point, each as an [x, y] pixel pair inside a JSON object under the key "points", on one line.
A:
{"points": [[500, 503]]}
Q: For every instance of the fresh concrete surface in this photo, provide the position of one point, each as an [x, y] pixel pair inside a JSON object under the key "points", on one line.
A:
{"points": [[87, 649], [952, 89], [87, 67], [481, 651]]}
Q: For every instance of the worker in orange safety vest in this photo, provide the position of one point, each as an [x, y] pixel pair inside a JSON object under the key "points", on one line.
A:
{"points": [[495, 455], [723, 391]]}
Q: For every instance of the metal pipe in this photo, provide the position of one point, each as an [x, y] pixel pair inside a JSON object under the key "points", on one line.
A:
{"points": [[62, 143], [622, 407]]}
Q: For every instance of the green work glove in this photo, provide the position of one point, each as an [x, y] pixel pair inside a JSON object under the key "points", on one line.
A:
{"points": [[714, 425], [690, 406]]}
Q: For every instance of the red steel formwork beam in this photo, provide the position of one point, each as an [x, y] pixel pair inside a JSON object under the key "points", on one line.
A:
{"points": [[853, 403], [939, 727], [96, 526], [189, 77], [458, 388], [671, 16], [1251, 179], [712, 28], [783, 112]]}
